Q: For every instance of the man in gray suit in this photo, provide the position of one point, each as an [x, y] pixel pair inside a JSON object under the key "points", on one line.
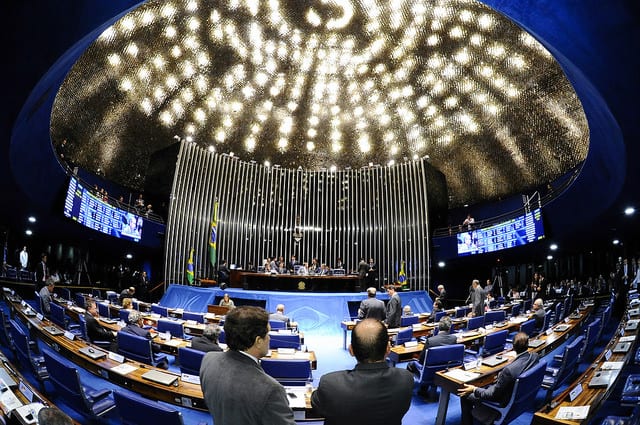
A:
{"points": [[236, 389], [372, 393], [478, 295], [371, 307]]}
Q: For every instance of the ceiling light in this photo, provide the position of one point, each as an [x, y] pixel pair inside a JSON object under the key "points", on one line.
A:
{"points": [[32, 219], [549, 257], [629, 211], [553, 247], [441, 264], [129, 256], [616, 241], [28, 232]]}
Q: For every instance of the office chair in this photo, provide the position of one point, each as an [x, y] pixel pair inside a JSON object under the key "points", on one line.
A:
{"points": [[277, 324], [190, 360], [197, 317], [174, 327], [138, 348], [409, 320], [123, 315], [278, 340], [25, 355], [79, 299], [159, 309], [288, 372], [436, 359], [515, 310], [462, 312], [136, 410], [590, 339], [494, 342], [104, 310], [84, 334], [494, 316], [569, 361], [404, 335], [475, 323], [528, 327]]}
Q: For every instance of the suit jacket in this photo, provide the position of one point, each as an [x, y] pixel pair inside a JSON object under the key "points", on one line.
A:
{"points": [[371, 394], [539, 316], [42, 273], [137, 330], [204, 344], [45, 296], [279, 317], [443, 338], [372, 308], [501, 390], [237, 391], [95, 331], [478, 296], [394, 312]]}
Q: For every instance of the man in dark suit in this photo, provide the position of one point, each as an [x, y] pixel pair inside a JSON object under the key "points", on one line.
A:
{"points": [[42, 272], [208, 341], [135, 326], [363, 269], [394, 308], [371, 307], [279, 316], [442, 296], [538, 313], [374, 393], [478, 295], [500, 391], [236, 389], [443, 338], [95, 331]]}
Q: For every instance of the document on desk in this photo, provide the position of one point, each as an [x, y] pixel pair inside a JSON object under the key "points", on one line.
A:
{"points": [[172, 342], [611, 365], [572, 412], [627, 338], [296, 396], [124, 368], [462, 375]]}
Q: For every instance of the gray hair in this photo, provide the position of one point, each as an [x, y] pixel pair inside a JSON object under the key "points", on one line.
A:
{"points": [[134, 317], [211, 332]]}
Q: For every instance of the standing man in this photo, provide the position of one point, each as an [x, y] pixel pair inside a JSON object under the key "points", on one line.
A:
{"points": [[363, 268], [500, 391], [42, 272], [394, 308], [372, 393], [24, 258], [442, 296], [371, 307], [236, 389], [478, 295]]}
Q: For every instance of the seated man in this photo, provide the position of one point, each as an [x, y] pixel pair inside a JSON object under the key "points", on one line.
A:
{"points": [[538, 313], [46, 296], [95, 331], [209, 339], [127, 293], [135, 326], [279, 316], [443, 338], [501, 390]]}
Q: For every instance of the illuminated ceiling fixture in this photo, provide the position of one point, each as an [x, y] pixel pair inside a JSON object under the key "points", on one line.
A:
{"points": [[629, 211], [328, 82], [553, 247], [31, 219]]}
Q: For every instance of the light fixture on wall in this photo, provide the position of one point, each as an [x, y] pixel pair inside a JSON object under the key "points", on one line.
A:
{"points": [[297, 232]]}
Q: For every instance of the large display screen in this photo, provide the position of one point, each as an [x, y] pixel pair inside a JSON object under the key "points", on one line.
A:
{"points": [[87, 209], [518, 231]]}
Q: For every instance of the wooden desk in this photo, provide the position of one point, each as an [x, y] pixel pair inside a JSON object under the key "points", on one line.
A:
{"points": [[487, 374], [293, 282]]}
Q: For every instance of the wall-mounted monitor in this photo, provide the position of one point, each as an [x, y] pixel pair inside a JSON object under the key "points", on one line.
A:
{"points": [[518, 231], [89, 210]]}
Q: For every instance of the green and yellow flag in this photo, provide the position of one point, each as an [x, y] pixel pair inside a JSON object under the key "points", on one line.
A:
{"points": [[190, 274], [213, 237]]}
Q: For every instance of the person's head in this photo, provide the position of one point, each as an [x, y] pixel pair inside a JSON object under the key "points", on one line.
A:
{"points": [[246, 328], [280, 308], [44, 257], [50, 283], [211, 332], [369, 341], [52, 416], [225, 297], [92, 308], [440, 288], [371, 292], [537, 304], [391, 290], [132, 290], [24, 248], [437, 305], [475, 283], [444, 324], [406, 310], [521, 342], [135, 318], [127, 303]]}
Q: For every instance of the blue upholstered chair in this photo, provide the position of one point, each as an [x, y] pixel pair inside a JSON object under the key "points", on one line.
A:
{"points": [[66, 380], [103, 310], [409, 320], [546, 323], [439, 358], [64, 293], [494, 316], [462, 312], [4, 329], [174, 327], [25, 355], [439, 315], [474, 323], [528, 327], [123, 315], [57, 315], [112, 297], [96, 293], [288, 372], [494, 342], [522, 398], [190, 360], [84, 334], [567, 366], [138, 348], [136, 410], [277, 324], [159, 309], [526, 305], [557, 314], [79, 299], [404, 335], [197, 317], [38, 305], [591, 337], [515, 310], [278, 340]]}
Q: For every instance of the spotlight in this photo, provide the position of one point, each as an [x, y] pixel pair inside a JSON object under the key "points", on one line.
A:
{"points": [[616, 241], [32, 219], [629, 211], [549, 257], [553, 247], [129, 256], [441, 264], [28, 232]]}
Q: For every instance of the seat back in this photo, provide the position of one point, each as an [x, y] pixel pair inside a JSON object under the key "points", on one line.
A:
{"points": [[112, 297], [57, 315], [526, 305], [135, 347], [84, 333], [515, 310], [97, 293], [4, 331], [475, 323], [528, 327], [123, 314], [408, 320], [493, 303], [288, 372], [277, 324], [439, 315], [135, 410], [461, 312], [440, 358], [79, 299], [547, 321], [20, 343], [172, 326], [591, 338], [524, 394], [404, 335], [190, 360], [557, 315], [570, 361], [64, 293], [494, 316], [279, 340], [159, 309], [494, 342], [65, 378], [104, 311], [38, 305], [189, 315]]}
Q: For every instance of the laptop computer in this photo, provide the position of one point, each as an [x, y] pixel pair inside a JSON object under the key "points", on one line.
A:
{"points": [[622, 347], [631, 325], [494, 361], [7, 379], [93, 353], [602, 378], [534, 343], [160, 377], [634, 312], [561, 328], [469, 334], [53, 330], [107, 320]]}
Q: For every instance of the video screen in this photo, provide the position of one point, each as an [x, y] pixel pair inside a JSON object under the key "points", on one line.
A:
{"points": [[87, 209], [518, 231]]}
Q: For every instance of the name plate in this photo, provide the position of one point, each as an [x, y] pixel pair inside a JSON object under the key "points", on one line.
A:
{"points": [[549, 331], [69, 335], [26, 391], [410, 344], [566, 320], [40, 317], [575, 392], [193, 379], [607, 355], [116, 357], [23, 303], [621, 331]]}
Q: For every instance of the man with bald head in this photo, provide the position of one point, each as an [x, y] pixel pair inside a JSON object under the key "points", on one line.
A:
{"points": [[372, 393], [279, 316]]}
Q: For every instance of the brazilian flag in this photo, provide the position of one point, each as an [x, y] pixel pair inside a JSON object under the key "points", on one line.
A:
{"points": [[190, 274], [213, 237], [402, 276]]}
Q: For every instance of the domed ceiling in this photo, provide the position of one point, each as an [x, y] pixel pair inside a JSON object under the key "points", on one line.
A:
{"points": [[322, 84]]}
